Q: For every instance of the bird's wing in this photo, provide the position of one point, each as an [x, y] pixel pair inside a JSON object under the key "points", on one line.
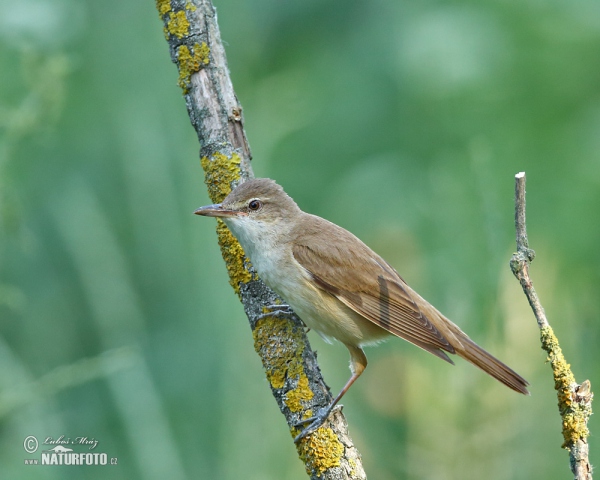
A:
{"points": [[343, 266]]}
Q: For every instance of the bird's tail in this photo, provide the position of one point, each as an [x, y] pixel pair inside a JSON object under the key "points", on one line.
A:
{"points": [[473, 353], [466, 348]]}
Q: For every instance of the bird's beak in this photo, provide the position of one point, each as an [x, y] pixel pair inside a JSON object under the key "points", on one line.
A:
{"points": [[217, 210]]}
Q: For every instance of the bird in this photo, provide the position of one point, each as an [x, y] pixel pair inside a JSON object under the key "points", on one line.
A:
{"points": [[339, 287]]}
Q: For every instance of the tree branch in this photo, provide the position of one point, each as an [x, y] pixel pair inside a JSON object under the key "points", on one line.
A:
{"points": [[195, 45], [574, 400]]}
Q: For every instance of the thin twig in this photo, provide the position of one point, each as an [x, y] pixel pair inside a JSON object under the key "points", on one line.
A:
{"points": [[194, 40], [574, 400]]}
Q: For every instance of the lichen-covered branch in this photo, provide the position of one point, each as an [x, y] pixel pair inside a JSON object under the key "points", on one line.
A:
{"points": [[191, 30], [574, 400]]}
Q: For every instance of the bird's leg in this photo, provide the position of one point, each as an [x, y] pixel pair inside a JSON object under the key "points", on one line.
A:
{"points": [[358, 363]]}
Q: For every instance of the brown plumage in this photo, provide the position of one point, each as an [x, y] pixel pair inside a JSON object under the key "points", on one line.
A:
{"points": [[367, 284], [339, 286]]}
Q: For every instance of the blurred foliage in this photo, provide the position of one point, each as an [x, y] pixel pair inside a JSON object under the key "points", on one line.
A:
{"points": [[404, 122]]}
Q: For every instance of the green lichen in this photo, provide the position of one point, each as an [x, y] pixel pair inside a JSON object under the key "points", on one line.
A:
{"points": [[574, 414], [190, 62], [320, 451], [178, 24], [163, 7]]}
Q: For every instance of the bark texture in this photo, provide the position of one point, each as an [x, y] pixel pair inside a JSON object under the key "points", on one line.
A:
{"points": [[574, 400], [192, 33]]}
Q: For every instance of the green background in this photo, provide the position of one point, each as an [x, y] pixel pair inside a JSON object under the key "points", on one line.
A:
{"points": [[404, 122]]}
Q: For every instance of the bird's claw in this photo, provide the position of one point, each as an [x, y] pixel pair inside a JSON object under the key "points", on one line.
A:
{"points": [[314, 422], [280, 311], [276, 311]]}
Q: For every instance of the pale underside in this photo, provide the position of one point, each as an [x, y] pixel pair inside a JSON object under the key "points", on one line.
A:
{"points": [[345, 291]]}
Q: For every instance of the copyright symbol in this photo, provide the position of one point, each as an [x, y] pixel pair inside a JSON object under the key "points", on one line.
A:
{"points": [[30, 444]]}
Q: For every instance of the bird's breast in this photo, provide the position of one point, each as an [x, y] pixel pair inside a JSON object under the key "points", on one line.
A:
{"points": [[320, 311]]}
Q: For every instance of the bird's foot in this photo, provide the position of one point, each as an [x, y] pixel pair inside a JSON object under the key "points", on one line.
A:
{"points": [[280, 310], [276, 311], [314, 422]]}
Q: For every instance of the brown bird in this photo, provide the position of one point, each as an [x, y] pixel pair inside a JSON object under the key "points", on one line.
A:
{"points": [[338, 286]]}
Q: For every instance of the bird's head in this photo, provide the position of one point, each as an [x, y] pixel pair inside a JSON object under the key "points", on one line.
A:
{"points": [[259, 199], [255, 209]]}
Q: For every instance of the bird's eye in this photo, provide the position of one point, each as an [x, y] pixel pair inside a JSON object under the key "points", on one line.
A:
{"points": [[254, 205]]}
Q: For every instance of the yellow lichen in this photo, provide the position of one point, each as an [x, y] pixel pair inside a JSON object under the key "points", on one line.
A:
{"points": [[277, 341], [352, 465], [220, 171], [178, 24], [574, 414], [320, 451], [163, 7], [280, 346], [574, 428], [203, 53], [190, 6], [187, 65], [234, 257], [190, 62], [295, 397]]}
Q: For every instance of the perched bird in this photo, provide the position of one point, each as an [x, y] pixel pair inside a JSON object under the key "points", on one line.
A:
{"points": [[338, 286]]}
